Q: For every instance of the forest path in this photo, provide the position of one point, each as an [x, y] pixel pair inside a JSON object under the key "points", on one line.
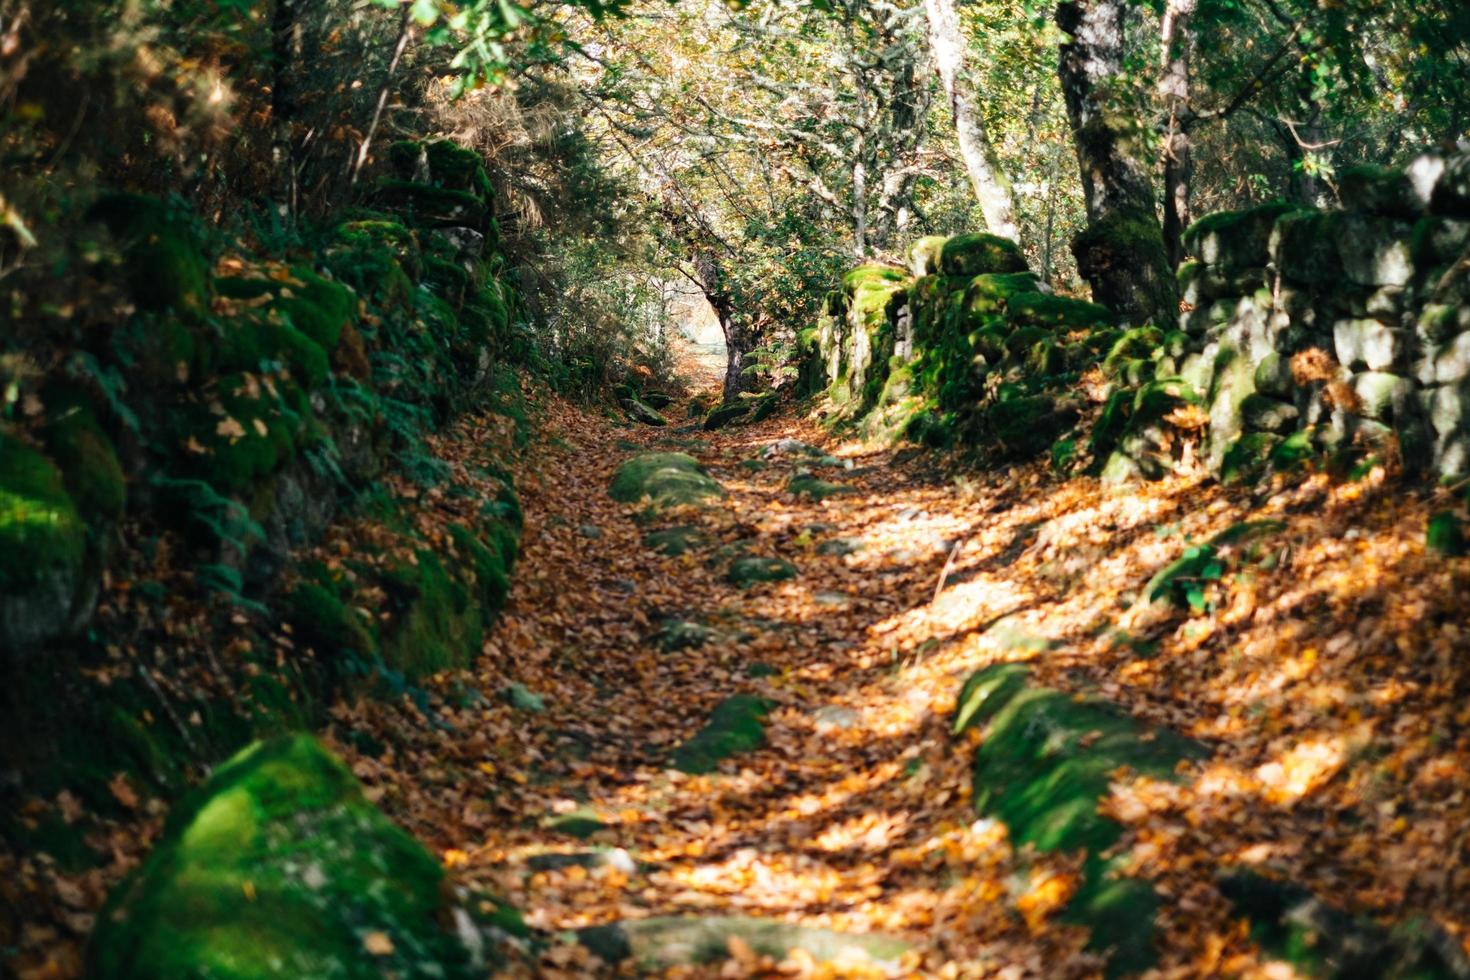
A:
{"points": [[558, 792]]}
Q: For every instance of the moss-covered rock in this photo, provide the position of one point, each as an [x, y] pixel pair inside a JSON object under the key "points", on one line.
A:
{"points": [[665, 480], [675, 541], [265, 343], [1445, 534], [978, 254], [750, 570], [247, 428], [736, 725], [164, 265], [806, 485], [427, 206], [321, 620], [1236, 240], [923, 255], [1044, 767], [278, 867], [437, 620], [86, 457], [41, 532], [1056, 312], [314, 305], [723, 415]]}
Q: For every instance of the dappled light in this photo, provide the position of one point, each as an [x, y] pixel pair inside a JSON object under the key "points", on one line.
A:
{"points": [[704, 489]]}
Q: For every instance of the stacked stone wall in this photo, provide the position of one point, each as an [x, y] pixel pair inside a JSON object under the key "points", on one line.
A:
{"points": [[1337, 331]]}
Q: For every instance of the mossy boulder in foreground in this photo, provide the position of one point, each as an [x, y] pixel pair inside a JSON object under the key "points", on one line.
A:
{"points": [[278, 867], [665, 479], [1044, 767]]}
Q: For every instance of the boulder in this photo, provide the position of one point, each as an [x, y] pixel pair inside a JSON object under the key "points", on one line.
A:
{"points": [[278, 867], [978, 254], [664, 480], [738, 724]]}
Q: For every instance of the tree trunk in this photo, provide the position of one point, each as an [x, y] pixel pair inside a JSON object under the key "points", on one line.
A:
{"points": [[739, 340], [1121, 252], [1177, 43], [992, 189], [285, 57]]}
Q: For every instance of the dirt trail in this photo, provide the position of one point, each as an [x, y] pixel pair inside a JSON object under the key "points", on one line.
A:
{"points": [[855, 815]]}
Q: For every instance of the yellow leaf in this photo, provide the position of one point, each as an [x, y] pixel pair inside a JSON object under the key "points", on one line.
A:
{"points": [[378, 943]]}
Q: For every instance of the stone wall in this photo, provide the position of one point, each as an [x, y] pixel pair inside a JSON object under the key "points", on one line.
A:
{"points": [[1337, 336], [178, 471], [1348, 331]]}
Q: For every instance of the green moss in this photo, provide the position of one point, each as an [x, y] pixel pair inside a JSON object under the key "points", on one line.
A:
{"points": [[807, 485], [870, 275], [1134, 240], [1056, 312], [378, 259], [490, 563], [1044, 766], [86, 457], [979, 254], [1445, 535], [748, 571], [736, 725], [163, 263], [261, 343], [323, 621], [314, 305], [437, 622], [245, 431], [1138, 343], [458, 168], [664, 479], [40, 529], [277, 866], [675, 541], [425, 206], [924, 254], [448, 278], [1026, 427], [990, 293], [723, 415], [1236, 238]]}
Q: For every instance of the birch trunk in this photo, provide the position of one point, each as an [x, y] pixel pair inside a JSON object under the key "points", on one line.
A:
{"points": [[992, 188]]}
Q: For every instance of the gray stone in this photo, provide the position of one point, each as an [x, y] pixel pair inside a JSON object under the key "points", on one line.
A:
{"points": [[1451, 196], [1452, 455], [1440, 240], [1383, 397], [832, 600], [1439, 322], [522, 698], [1232, 383], [1262, 414], [590, 531], [1273, 376], [1448, 408], [1368, 344], [835, 717], [466, 242], [1386, 304], [1374, 250], [839, 546], [1446, 363], [639, 412]]}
